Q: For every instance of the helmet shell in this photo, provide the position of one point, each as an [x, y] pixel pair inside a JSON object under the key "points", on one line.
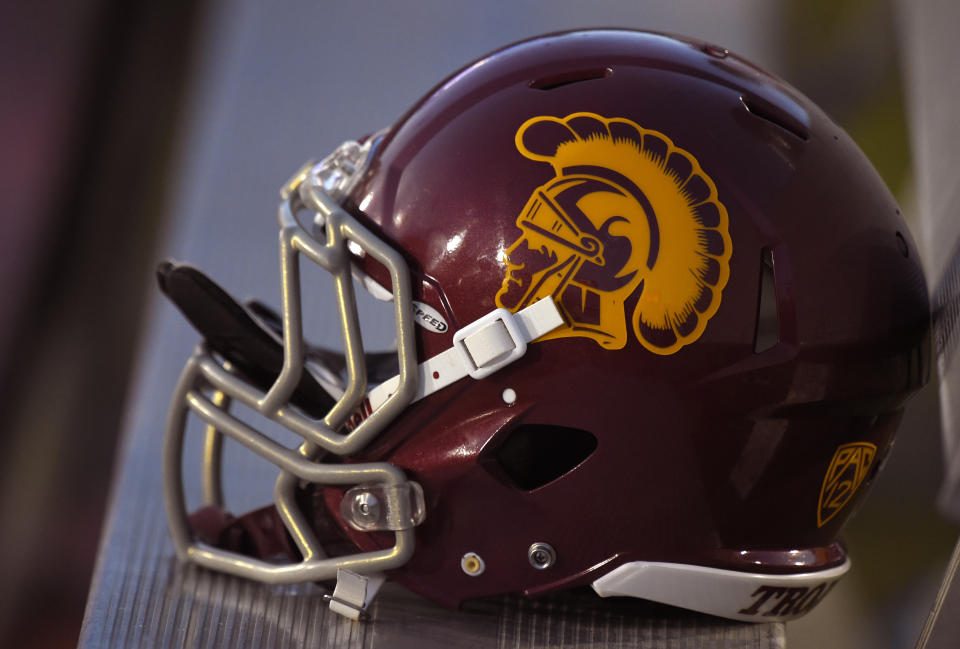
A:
{"points": [[741, 433]]}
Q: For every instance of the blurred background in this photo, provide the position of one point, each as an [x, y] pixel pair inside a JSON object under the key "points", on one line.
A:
{"points": [[132, 131]]}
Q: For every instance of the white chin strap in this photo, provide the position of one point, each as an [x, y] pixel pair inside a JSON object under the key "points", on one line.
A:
{"points": [[735, 595], [479, 349]]}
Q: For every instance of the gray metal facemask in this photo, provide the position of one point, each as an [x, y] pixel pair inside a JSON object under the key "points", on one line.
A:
{"points": [[209, 385]]}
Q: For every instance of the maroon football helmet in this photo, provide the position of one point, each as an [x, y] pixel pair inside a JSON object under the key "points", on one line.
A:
{"points": [[657, 318]]}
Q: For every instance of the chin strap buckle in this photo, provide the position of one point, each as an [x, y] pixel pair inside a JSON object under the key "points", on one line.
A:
{"points": [[354, 593], [487, 344]]}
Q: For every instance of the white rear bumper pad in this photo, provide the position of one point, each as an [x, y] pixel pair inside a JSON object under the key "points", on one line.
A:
{"points": [[751, 597]]}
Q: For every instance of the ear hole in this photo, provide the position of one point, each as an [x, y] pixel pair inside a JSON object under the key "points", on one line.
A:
{"points": [[536, 454], [768, 321], [569, 77]]}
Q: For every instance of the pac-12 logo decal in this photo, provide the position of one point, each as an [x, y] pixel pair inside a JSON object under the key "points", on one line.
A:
{"points": [[630, 221], [848, 469]]}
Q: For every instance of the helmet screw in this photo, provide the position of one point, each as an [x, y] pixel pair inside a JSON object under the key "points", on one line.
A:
{"points": [[542, 555], [366, 508]]}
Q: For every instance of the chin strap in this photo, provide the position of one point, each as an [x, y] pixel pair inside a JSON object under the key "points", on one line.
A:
{"points": [[259, 533], [479, 349]]}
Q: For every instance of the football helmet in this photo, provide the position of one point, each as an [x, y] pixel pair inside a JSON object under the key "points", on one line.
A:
{"points": [[657, 318]]}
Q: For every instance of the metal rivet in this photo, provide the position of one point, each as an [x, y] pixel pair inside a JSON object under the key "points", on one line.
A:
{"points": [[541, 555], [472, 564]]}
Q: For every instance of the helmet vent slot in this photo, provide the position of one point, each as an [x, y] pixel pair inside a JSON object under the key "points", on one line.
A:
{"points": [[775, 115], [569, 77], [536, 454], [768, 320]]}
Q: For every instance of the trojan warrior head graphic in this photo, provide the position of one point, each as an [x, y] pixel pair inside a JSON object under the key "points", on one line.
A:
{"points": [[629, 220]]}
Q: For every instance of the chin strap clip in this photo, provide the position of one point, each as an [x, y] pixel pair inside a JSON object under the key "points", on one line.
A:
{"points": [[353, 593]]}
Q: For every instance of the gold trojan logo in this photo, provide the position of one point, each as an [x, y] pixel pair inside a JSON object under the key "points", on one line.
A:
{"points": [[629, 221]]}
